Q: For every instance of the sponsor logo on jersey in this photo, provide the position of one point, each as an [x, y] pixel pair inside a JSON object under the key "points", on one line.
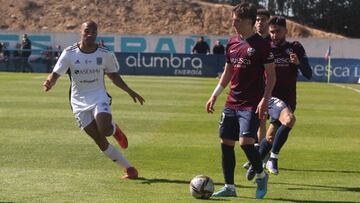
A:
{"points": [[271, 56], [240, 61], [250, 51], [99, 61], [282, 60], [86, 71]]}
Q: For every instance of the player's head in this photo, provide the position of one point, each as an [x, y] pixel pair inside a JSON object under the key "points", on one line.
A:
{"points": [[277, 29], [88, 32], [261, 24], [243, 16]]}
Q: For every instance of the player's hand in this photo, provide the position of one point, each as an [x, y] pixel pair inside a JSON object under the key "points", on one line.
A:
{"points": [[136, 97], [46, 85], [210, 104], [294, 59], [262, 109]]}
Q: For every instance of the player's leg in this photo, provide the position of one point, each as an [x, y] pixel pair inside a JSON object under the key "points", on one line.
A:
{"points": [[249, 124], [287, 119], [260, 136], [275, 107], [229, 133], [266, 144], [105, 127]]}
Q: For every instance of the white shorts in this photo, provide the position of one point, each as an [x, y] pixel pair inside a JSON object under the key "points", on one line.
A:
{"points": [[84, 118]]}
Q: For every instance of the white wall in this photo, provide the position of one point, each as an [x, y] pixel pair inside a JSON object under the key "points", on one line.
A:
{"points": [[341, 48]]}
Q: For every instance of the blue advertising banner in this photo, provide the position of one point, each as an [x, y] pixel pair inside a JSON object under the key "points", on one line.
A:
{"points": [[341, 70], [170, 64]]}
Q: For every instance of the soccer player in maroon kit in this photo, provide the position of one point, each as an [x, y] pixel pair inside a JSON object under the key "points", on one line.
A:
{"points": [[289, 58], [248, 57]]}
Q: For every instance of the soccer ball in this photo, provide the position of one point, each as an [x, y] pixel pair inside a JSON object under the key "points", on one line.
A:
{"points": [[201, 187]]}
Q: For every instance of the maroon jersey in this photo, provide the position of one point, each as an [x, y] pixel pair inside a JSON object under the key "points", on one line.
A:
{"points": [[247, 57], [286, 72]]}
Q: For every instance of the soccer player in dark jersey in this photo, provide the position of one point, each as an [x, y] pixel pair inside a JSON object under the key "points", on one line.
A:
{"points": [[262, 28], [248, 57], [262, 24], [289, 58]]}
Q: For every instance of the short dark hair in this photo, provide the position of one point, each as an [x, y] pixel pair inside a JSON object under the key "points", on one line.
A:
{"points": [[264, 12], [245, 10], [278, 20]]}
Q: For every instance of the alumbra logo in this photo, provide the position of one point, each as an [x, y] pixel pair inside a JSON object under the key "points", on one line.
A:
{"points": [[163, 61]]}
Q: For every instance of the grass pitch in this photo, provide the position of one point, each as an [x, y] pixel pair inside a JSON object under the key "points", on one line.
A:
{"points": [[44, 157]]}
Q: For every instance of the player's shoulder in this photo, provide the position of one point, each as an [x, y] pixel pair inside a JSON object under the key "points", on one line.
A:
{"points": [[296, 44], [71, 48], [103, 49], [233, 39]]}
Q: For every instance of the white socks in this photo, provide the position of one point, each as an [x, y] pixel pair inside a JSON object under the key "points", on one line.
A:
{"points": [[231, 187], [116, 156], [114, 128], [260, 175], [274, 156]]}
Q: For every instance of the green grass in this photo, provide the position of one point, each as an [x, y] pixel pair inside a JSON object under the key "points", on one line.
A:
{"points": [[44, 157]]}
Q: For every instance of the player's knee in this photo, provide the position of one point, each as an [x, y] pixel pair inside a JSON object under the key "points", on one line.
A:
{"points": [[106, 130], [289, 120], [269, 138], [227, 142]]}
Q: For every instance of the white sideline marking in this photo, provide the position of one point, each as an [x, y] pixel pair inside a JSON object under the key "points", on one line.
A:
{"points": [[350, 88]]}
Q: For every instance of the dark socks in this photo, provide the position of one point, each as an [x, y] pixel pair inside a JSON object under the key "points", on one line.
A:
{"points": [[253, 156], [265, 148], [228, 163], [280, 138]]}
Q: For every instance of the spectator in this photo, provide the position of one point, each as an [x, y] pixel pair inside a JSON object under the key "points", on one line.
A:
{"points": [[2, 57], [218, 48], [201, 47], [17, 56], [47, 57], [57, 52], [102, 43], [17, 51], [26, 52]]}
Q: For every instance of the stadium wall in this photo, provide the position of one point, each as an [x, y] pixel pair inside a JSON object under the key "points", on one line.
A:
{"points": [[170, 55], [341, 48]]}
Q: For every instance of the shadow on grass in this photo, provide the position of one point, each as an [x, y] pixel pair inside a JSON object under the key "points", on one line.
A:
{"points": [[164, 180], [320, 187], [304, 201], [318, 171]]}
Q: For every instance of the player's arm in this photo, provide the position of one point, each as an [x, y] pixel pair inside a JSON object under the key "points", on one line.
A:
{"points": [[223, 82], [262, 107], [119, 82], [303, 65], [301, 61], [50, 81]]}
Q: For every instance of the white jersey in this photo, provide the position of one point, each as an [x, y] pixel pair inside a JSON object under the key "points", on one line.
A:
{"points": [[86, 72]]}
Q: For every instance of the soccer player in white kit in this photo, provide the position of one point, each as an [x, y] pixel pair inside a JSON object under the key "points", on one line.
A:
{"points": [[87, 63]]}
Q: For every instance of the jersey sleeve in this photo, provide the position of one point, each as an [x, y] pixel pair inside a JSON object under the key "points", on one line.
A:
{"points": [[299, 50], [63, 64], [111, 64], [227, 53], [267, 55]]}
